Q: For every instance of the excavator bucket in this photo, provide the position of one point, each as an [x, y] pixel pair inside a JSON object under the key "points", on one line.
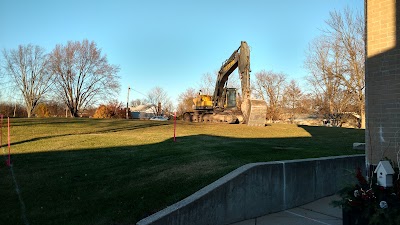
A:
{"points": [[254, 112]]}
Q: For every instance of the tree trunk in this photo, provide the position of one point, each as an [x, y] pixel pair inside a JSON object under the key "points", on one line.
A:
{"points": [[28, 111], [74, 112], [362, 112], [362, 119]]}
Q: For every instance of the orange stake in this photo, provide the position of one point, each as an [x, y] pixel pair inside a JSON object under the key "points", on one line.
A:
{"points": [[1, 130], [175, 127], [9, 148]]}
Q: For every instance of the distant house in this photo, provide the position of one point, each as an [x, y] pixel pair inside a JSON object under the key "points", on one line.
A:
{"points": [[143, 111]]}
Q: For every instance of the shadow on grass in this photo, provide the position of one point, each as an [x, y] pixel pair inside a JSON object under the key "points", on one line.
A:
{"points": [[121, 185], [98, 131], [27, 122]]}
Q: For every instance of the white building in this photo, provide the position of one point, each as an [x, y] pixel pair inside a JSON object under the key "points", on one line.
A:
{"points": [[143, 111]]}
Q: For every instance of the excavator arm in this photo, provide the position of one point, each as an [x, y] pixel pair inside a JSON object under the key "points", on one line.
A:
{"points": [[226, 69]]}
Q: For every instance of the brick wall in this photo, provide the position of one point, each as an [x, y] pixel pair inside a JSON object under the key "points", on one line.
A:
{"points": [[382, 80]]}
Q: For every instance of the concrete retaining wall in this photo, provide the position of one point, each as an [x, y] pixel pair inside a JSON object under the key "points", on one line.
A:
{"points": [[257, 189]]}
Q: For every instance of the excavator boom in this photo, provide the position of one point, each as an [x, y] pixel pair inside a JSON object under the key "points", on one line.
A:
{"points": [[226, 69]]}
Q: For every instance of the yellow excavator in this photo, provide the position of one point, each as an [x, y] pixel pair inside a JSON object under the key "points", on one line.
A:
{"points": [[222, 106]]}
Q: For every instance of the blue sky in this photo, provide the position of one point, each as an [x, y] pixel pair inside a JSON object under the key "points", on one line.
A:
{"points": [[172, 43]]}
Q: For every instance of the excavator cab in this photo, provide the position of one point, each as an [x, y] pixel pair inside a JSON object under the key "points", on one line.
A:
{"points": [[230, 98]]}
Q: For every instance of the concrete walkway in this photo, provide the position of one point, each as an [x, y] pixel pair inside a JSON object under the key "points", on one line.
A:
{"points": [[315, 213]]}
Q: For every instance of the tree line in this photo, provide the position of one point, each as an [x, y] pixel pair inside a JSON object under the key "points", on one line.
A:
{"points": [[76, 74], [68, 81]]}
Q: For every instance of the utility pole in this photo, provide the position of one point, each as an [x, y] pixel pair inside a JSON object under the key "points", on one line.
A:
{"points": [[127, 103]]}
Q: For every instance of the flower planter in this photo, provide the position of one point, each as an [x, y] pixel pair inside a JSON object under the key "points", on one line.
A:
{"points": [[371, 201]]}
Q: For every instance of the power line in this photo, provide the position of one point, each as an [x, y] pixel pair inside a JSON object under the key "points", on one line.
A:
{"points": [[138, 92]]}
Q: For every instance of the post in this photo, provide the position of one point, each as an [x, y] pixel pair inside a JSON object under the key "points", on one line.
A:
{"points": [[9, 147], [1, 130], [127, 103], [159, 109], [175, 127], [15, 109]]}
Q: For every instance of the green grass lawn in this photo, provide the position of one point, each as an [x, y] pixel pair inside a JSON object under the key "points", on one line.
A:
{"points": [[87, 171]]}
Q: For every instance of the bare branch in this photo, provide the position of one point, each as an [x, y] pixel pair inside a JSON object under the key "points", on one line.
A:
{"points": [[335, 62], [28, 67], [158, 95], [270, 86], [83, 75]]}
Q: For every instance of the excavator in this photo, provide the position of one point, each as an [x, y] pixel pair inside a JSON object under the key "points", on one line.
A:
{"points": [[222, 106]]}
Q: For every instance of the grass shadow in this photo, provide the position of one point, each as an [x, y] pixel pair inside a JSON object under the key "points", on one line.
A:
{"points": [[95, 131], [121, 185]]}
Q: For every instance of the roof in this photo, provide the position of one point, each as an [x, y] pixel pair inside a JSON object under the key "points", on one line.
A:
{"points": [[141, 108], [385, 165]]}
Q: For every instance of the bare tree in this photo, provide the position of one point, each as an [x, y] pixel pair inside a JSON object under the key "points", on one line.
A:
{"points": [[325, 64], [28, 68], [157, 96], [306, 104], [234, 82], [168, 108], [335, 62], [186, 101], [83, 75], [12, 109], [56, 108], [347, 28], [292, 99], [269, 86], [2, 81], [137, 102], [207, 83]]}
